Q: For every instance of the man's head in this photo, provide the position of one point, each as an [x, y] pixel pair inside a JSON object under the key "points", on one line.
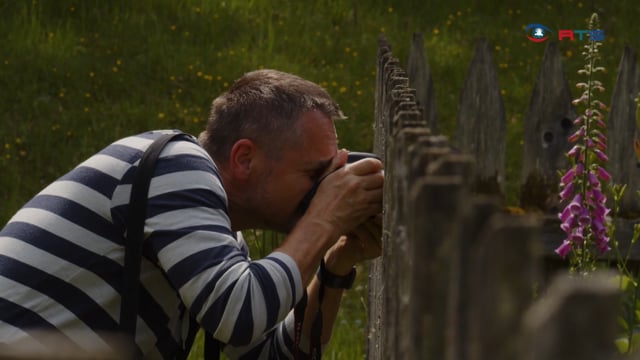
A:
{"points": [[272, 136], [264, 106]]}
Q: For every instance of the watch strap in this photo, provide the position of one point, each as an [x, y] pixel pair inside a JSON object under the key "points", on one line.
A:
{"points": [[334, 281]]}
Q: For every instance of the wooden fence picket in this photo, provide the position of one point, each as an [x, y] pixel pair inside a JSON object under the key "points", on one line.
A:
{"points": [[547, 124], [575, 319], [621, 128], [420, 79], [461, 299], [480, 123], [503, 269], [426, 271]]}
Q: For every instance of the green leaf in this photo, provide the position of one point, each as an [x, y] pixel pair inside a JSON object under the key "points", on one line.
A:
{"points": [[623, 280], [622, 344], [623, 323]]}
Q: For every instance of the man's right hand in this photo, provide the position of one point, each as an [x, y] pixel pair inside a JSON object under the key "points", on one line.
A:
{"points": [[349, 195]]}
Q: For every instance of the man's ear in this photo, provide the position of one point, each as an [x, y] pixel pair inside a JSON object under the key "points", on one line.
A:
{"points": [[241, 158]]}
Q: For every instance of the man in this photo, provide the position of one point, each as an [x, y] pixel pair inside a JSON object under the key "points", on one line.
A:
{"points": [[267, 141]]}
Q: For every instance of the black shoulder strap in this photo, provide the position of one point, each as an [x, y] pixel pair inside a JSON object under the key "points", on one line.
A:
{"points": [[134, 244], [135, 236]]}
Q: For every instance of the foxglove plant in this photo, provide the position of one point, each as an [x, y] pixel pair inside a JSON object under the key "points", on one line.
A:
{"points": [[583, 220]]}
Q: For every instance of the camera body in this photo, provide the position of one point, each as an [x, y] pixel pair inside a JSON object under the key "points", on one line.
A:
{"points": [[352, 156]]}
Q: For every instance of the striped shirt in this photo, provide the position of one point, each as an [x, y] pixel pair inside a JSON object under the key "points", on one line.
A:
{"points": [[62, 254]]}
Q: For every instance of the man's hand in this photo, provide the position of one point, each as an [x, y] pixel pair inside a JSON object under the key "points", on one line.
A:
{"points": [[361, 244], [349, 195]]}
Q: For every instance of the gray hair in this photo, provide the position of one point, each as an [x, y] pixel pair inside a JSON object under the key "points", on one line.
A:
{"points": [[263, 106]]}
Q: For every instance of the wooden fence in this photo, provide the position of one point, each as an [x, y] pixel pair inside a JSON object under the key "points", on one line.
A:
{"points": [[460, 278]]}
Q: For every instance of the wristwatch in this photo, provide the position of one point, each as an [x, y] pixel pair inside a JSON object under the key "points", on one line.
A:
{"points": [[331, 280]]}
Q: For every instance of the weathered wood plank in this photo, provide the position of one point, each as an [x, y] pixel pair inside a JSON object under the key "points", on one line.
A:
{"points": [[395, 242], [431, 239], [420, 79], [547, 124], [379, 126], [503, 269], [473, 221], [375, 300], [399, 124], [621, 128], [480, 123], [576, 319]]}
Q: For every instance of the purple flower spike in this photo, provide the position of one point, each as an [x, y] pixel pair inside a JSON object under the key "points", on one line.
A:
{"points": [[576, 205], [577, 135], [577, 237], [567, 225], [568, 177], [601, 156], [597, 196], [599, 227], [602, 244], [564, 249], [565, 214], [593, 179], [566, 192], [603, 174], [584, 217], [584, 220], [574, 152], [603, 248], [600, 211], [599, 135]]}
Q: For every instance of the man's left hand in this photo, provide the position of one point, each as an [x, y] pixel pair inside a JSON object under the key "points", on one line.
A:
{"points": [[361, 244]]}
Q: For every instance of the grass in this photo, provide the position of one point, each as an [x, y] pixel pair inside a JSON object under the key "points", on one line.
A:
{"points": [[77, 75]]}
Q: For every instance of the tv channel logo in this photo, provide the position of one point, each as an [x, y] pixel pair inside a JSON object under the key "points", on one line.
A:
{"points": [[538, 33]]}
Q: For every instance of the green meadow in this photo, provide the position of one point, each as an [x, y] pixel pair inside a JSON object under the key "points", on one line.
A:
{"points": [[77, 75]]}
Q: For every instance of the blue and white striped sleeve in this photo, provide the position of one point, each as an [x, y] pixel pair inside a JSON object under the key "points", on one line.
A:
{"points": [[275, 344], [190, 238]]}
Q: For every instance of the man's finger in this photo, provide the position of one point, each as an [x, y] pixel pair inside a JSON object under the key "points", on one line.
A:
{"points": [[365, 167], [338, 161], [373, 181]]}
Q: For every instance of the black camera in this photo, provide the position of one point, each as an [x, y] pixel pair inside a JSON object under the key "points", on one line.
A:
{"points": [[352, 157]]}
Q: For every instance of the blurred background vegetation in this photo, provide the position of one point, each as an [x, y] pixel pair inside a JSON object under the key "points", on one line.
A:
{"points": [[77, 75]]}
